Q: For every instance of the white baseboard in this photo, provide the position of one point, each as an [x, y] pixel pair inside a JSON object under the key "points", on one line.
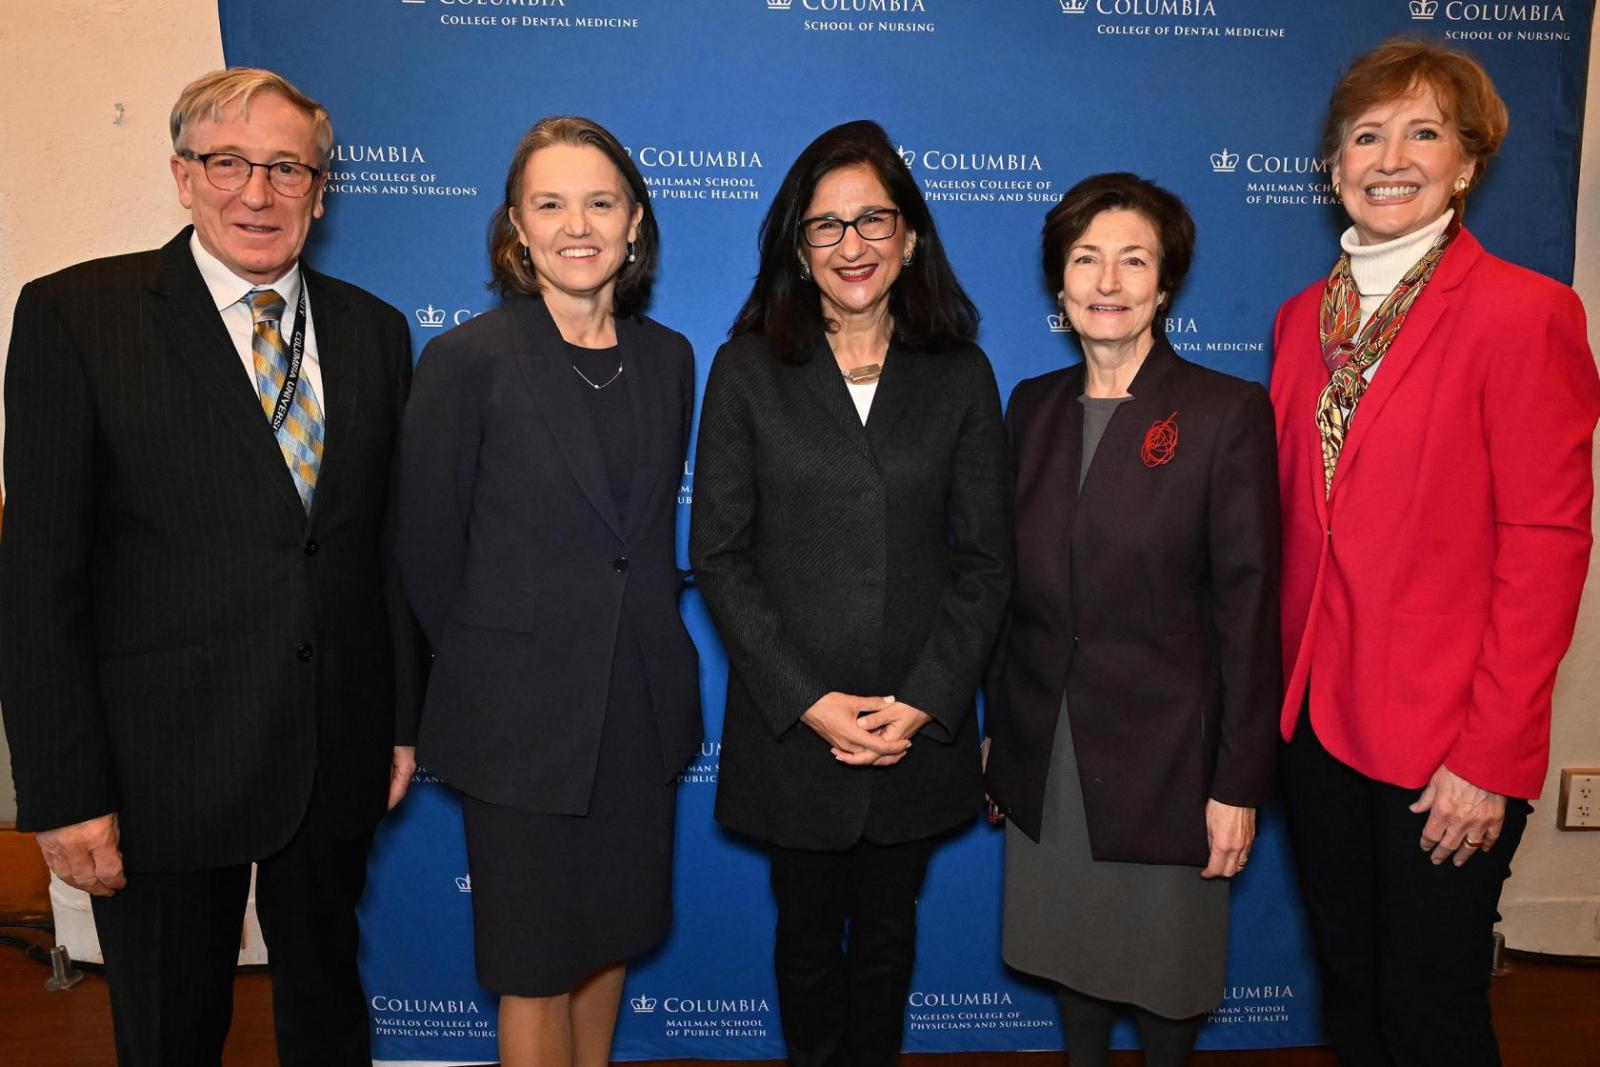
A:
{"points": [[1556, 926]]}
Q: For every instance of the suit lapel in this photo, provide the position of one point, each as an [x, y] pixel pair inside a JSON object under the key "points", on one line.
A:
{"points": [[826, 384], [549, 376], [1430, 307], [338, 349], [1124, 434], [898, 388], [648, 394], [189, 325]]}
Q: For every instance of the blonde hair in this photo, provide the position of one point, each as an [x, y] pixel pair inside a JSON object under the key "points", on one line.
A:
{"points": [[209, 95]]}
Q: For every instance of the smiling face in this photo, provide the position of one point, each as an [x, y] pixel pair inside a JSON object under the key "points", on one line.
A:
{"points": [[1110, 286], [575, 219], [855, 275], [1398, 167], [256, 231]]}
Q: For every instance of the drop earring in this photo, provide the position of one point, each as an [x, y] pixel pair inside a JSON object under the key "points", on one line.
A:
{"points": [[632, 256], [906, 260], [805, 270]]}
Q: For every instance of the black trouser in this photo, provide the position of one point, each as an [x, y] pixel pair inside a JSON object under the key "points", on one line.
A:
{"points": [[1404, 947], [847, 937], [1088, 1020], [171, 942]]}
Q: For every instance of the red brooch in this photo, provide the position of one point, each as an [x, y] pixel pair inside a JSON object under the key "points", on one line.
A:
{"points": [[1160, 441]]}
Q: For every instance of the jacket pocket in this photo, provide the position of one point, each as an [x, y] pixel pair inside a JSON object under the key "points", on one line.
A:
{"points": [[159, 671]]}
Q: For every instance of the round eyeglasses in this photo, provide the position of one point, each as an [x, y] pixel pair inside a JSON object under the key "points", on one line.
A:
{"points": [[230, 172], [825, 231]]}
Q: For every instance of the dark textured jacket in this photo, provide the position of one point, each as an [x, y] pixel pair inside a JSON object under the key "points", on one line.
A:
{"points": [[1150, 599], [870, 560]]}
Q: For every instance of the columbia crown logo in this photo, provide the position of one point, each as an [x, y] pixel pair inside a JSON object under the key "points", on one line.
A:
{"points": [[430, 317], [643, 1004], [1058, 323], [1224, 162], [1074, 7], [779, 5], [464, 883], [1424, 9]]}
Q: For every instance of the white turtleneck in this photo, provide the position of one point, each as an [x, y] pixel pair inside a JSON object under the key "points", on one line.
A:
{"points": [[1377, 269]]}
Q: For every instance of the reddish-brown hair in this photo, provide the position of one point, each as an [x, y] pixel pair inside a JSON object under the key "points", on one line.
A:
{"points": [[1400, 67]]}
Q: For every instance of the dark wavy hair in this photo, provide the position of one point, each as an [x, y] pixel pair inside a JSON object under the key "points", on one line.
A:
{"points": [[929, 308], [511, 274], [1121, 191]]}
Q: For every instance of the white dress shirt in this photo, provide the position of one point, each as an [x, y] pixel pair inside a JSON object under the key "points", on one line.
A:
{"points": [[227, 289]]}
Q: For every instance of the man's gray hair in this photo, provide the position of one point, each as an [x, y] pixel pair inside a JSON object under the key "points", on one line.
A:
{"points": [[209, 95]]}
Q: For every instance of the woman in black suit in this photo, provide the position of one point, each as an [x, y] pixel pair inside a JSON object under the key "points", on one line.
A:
{"points": [[1133, 709], [540, 461], [851, 537]]}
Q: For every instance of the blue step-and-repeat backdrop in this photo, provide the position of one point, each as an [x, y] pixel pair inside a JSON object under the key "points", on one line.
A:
{"points": [[998, 106]]}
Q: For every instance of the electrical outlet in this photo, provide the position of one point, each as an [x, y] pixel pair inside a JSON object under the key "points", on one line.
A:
{"points": [[1580, 800]]}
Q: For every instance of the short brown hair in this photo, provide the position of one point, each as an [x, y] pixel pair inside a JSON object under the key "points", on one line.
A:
{"points": [[1400, 67], [512, 274], [1120, 191], [210, 94]]}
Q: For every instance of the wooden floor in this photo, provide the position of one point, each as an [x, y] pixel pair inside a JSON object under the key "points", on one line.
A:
{"points": [[1548, 1015]]}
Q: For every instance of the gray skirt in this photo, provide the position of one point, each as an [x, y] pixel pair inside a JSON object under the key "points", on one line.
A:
{"points": [[1146, 934]]}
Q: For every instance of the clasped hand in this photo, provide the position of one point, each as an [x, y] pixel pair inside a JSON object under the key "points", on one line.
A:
{"points": [[865, 731]]}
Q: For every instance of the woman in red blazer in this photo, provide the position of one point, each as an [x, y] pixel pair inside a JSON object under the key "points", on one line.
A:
{"points": [[1435, 411]]}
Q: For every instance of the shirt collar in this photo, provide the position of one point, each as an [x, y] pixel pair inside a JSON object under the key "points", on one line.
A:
{"points": [[227, 288]]}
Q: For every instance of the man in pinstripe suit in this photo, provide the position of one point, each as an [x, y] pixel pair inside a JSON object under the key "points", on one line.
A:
{"points": [[204, 660]]}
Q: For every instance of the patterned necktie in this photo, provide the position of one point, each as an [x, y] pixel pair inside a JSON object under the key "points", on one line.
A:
{"points": [[300, 436]]}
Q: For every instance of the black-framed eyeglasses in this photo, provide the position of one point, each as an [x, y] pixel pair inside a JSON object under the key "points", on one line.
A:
{"points": [[230, 172], [825, 231]]}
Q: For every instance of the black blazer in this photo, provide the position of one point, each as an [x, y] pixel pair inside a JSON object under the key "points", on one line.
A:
{"points": [[1151, 600], [873, 560], [520, 568], [179, 643]]}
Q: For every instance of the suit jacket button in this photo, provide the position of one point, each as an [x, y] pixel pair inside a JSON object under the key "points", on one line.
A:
{"points": [[620, 564], [311, 548], [1074, 639], [303, 653]]}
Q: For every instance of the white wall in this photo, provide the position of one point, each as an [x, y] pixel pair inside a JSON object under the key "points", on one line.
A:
{"points": [[1552, 902], [74, 185]]}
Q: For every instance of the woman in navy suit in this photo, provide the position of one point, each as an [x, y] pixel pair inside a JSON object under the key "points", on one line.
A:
{"points": [[540, 462]]}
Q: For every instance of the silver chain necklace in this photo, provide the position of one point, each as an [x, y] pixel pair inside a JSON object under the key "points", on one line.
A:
{"points": [[598, 385]]}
